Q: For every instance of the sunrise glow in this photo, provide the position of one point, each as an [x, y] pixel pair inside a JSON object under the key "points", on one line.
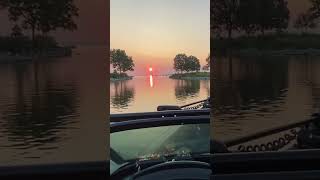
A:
{"points": [[157, 33]]}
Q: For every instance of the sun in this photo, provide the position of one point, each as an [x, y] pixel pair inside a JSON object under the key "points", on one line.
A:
{"points": [[150, 69]]}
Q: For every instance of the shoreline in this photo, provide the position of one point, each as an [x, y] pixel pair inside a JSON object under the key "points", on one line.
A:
{"points": [[283, 52], [269, 44], [59, 52], [175, 78], [121, 79], [191, 76]]}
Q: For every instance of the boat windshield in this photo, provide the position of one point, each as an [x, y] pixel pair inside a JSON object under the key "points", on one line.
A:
{"points": [[158, 142]]}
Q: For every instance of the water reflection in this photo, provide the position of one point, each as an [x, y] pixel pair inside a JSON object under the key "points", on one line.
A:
{"points": [[37, 117], [146, 93], [123, 94], [151, 81], [247, 84], [186, 88], [48, 107], [252, 94]]}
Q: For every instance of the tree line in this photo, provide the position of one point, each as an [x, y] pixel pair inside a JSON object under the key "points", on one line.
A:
{"points": [[183, 63], [40, 16], [251, 17], [120, 61], [308, 20]]}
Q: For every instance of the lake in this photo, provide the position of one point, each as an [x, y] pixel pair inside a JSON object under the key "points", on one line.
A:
{"points": [[54, 111], [146, 93], [252, 94]]}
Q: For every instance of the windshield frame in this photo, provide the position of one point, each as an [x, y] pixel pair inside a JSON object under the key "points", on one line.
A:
{"points": [[125, 117], [160, 119], [158, 122]]}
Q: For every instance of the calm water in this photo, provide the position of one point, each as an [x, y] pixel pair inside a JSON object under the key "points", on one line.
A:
{"points": [[256, 93], [54, 111], [145, 93]]}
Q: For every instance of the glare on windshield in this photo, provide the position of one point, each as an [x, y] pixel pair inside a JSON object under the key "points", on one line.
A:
{"points": [[157, 142]]}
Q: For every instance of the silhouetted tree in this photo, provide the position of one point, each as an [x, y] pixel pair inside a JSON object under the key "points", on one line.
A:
{"points": [[42, 15], [308, 19], [273, 14], [61, 16], [16, 31], [248, 16], [315, 8], [304, 22], [179, 62], [192, 64], [281, 15], [120, 61], [224, 14], [216, 31], [184, 63]]}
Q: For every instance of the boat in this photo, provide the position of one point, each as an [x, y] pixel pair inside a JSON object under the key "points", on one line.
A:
{"points": [[286, 152], [304, 134], [171, 143]]}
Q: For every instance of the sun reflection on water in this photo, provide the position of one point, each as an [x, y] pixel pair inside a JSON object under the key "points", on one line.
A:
{"points": [[151, 80]]}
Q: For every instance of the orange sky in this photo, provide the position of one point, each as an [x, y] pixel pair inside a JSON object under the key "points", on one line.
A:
{"points": [[153, 32]]}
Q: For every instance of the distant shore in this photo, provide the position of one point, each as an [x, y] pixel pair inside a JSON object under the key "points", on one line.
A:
{"points": [[119, 77], [191, 76], [271, 44], [7, 57], [285, 52], [23, 48]]}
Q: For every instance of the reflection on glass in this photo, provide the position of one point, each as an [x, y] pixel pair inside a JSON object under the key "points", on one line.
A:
{"points": [[161, 141]]}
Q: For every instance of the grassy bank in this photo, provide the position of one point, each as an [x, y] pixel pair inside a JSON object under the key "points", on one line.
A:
{"points": [[271, 43], [191, 76], [119, 77]]}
